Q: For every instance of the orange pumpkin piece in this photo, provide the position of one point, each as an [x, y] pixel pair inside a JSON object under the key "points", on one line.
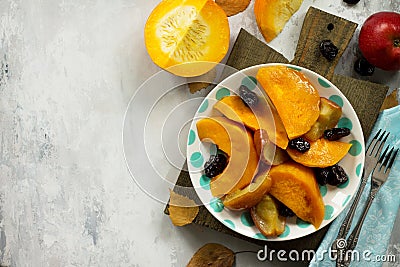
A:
{"points": [[187, 37], [294, 97], [322, 153], [258, 117], [237, 143], [272, 15], [295, 186], [251, 194]]}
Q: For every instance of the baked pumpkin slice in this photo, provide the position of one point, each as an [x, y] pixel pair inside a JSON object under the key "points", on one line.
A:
{"points": [[322, 153], [233, 139], [187, 37], [255, 118], [295, 186], [294, 97]]}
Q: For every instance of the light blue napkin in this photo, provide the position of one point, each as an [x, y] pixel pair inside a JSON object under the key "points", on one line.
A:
{"points": [[376, 231]]}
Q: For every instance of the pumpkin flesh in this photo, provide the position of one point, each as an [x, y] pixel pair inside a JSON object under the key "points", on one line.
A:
{"points": [[187, 37]]}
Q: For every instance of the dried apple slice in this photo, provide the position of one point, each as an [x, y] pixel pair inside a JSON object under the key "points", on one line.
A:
{"points": [[251, 194], [329, 115], [266, 217], [267, 151]]}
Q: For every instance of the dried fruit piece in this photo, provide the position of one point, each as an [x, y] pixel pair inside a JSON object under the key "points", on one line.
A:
{"points": [[249, 97], [266, 217], [322, 153], [233, 7], [337, 175], [272, 15], [363, 67], [285, 211], [213, 255], [295, 186], [336, 133], [182, 210], [321, 174], [299, 144], [351, 2], [251, 194], [187, 38], [215, 165], [294, 97], [328, 49]]}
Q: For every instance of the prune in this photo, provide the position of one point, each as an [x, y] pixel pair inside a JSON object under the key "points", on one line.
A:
{"points": [[337, 175], [351, 2], [215, 165], [363, 67], [336, 133], [249, 98], [333, 175], [300, 144], [285, 211], [322, 175], [328, 49]]}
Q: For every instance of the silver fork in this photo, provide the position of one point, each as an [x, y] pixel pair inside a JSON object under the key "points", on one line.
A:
{"points": [[371, 159], [379, 177]]}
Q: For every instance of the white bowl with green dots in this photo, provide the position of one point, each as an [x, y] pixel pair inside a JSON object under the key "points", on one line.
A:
{"points": [[335, 198]]}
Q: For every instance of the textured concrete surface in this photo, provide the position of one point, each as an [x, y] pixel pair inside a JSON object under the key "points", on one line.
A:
{"points": [[68, 71]]}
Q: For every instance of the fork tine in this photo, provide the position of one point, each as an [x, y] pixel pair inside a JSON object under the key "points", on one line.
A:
{"points": [[373, 142], [392, 160], [385, 161], [384, 136]]}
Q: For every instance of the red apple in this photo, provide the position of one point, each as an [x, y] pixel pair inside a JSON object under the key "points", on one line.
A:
{"points": [[379, 40]]}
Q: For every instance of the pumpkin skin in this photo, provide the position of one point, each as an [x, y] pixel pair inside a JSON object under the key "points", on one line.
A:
{"points": [[294, 97], [295, 186], [187, 37], [237, 143]]}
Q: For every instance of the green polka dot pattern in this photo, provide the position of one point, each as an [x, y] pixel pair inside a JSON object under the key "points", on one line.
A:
{"points": [[221, 93], [345, 123], [328, 212], [246, 219], [250, 82], [323, 83], [196, 159], [337, 99], [205, 182], [356, 148]]}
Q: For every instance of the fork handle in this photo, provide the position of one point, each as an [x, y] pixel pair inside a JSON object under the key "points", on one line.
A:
{"points": [[353, 238], [346, 224]]}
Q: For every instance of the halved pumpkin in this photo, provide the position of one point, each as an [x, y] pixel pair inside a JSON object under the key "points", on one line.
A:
{"points": [[187, 37], [237, 143], [322, 153], [294, 97]]}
